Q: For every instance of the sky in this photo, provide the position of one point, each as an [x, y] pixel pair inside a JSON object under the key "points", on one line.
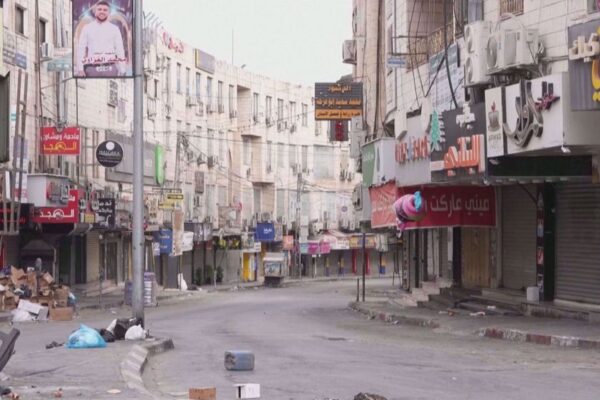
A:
{"points": [[298, 41]]}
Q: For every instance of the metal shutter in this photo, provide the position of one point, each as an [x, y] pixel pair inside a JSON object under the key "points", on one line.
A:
{"points": [[519, 216], [12, 251], [578, 242], [92, 240], [186, 266]]}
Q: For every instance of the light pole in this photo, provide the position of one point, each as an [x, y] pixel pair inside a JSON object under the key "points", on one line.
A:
{"points": [[138, 167]]}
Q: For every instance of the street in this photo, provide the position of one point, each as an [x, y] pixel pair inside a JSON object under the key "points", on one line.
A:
{"points": [[309, 345]]}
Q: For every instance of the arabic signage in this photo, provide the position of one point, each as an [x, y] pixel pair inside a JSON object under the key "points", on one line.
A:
{"points": [[123, 172], [14, 49], [27, 211], [382, 199], [171, 199], [204, 61], [60, 142], [288, 242], [59, 215], [338, 101], [315, 247], [584, 65], [169, 41], [356, 242], [530, 115], [62, 61], [455, 206], [462, 153], [411, 154], [165, 239], [102, 39], [265, 232], [109, 154], [440, 94], [104, 210]]}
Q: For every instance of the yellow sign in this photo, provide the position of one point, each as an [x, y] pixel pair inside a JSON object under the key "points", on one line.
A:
{"points": [[175, 196]]}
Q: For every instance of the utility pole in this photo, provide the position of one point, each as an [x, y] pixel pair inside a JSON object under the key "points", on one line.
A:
{"points": [[298, 209], [138, 167]]}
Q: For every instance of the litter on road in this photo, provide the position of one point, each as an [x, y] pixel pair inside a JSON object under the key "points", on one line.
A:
{"points": [[236, 360], [85, 338]]}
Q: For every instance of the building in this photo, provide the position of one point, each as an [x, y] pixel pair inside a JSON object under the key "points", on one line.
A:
{"points": [[225, 148], [452, 91]]}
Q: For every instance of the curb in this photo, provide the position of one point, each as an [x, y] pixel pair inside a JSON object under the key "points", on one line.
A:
{"points": [[132, 367], [395, 318], [516, 335]]}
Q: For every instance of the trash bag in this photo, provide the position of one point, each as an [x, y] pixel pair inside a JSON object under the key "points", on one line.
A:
{"points": [[19, 315], [85, 338], [122, 325], [182, 283], [107, 335], [136, 332]]}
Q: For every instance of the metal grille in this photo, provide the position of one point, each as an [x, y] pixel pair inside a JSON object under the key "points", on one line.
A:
{"points": [[511, 6]]}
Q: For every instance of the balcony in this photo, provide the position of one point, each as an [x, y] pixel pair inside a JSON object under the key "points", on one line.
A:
{"points": [[260, 176], [421, 49]]}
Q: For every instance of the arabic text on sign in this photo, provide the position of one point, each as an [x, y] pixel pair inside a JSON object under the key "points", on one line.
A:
{"points": [[336, 114], [412, 149], [463, 156]]}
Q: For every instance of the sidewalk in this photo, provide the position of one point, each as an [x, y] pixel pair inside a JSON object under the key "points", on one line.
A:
{"points": [[544, 331]]}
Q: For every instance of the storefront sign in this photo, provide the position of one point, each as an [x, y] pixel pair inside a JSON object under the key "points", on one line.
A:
{"points": [[584, 66], [412, 154], [462, 154], [378, 162], [278, 232], [335, 101], [288, 242], [59, 215], [165, 240], [160, 164], [356, 242], [169, 41], [109, 154], [187, 243], [265, 232], [60, 142], [382, 199], [204, 61], [104, 210], [324, 247], [494, 109], [341, 244], [455, 206], [109, 55]]}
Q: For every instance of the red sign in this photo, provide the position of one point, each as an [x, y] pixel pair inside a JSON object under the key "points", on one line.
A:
{"points": [[64, 142], [455, 206], [382, 200], [288, 242], [58, 215]]}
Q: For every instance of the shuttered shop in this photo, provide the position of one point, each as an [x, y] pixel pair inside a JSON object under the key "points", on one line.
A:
{"points": [[578, 242], [518, 237], [92, 240]]}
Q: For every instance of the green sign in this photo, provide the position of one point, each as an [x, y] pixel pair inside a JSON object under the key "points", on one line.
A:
{"points": [[368, 164], [160, 164]]}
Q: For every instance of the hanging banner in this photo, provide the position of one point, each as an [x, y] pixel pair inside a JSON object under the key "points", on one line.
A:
{"points": [[60, 142], [447, 206], [382, 200], [188, 241], [102, 38]]}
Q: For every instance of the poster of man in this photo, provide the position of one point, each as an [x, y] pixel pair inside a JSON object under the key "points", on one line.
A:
{"points": [[102, 38]]}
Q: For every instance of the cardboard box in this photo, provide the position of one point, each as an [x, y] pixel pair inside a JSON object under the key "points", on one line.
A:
{"points": [[61, 294], [49, 279], [203, 394], [17, 276], [61, 313], [30, 307], [32, 282]]}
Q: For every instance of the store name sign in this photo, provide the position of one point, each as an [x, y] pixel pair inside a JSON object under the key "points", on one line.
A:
{"points": [[584, 65], [412, 149]]}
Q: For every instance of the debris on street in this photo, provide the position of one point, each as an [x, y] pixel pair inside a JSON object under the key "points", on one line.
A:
{"points": [[368, 396], [85, 338], [202, 393], [478, 314], [113, 391], [239, 360]]}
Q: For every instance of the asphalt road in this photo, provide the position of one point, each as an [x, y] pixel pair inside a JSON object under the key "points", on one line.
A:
{"points": [[309, 345]]}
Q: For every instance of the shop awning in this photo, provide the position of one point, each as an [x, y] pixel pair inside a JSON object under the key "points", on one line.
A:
{"points": [[337, 240]]}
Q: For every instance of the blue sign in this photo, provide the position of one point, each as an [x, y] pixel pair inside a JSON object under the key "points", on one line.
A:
{"points": [[165, 240], [265, 232]]}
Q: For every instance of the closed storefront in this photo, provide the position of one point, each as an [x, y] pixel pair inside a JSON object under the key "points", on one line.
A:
{"points": [[93, 255], [578, 242], [518, 236]]}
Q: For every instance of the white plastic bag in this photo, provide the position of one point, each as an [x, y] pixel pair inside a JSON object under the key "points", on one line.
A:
{"points": [[182, 283], [20, 315], [136, 332], [111, 327]]}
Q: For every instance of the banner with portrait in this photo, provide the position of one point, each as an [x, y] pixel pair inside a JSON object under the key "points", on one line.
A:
{"points": [[103, 38]]}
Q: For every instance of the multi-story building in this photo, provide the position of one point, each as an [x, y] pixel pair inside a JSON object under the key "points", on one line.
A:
{"points": [[493, 105], [239, 147]]}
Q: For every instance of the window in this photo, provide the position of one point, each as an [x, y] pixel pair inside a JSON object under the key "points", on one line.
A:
{"points": [[231, 96], [269, 154], [293, 115], [20, 20], [42, 28], [198, 86], [304, 157], [280, 155], [178, 78], [220, 97], [222, 149], [322, 169], [293, 160], [279, 109], [187, 81], [511, 6], [155, 92], [268, 107], [304, 115], [246, 152], [317, 128], [210, 145], [168, 85], [255, 107], [209, 99]]}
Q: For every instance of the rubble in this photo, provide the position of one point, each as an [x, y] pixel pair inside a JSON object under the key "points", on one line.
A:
{"points": [[35, 292]]}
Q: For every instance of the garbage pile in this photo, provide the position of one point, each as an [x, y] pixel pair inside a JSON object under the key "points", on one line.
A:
{"points": [[34, 295]]}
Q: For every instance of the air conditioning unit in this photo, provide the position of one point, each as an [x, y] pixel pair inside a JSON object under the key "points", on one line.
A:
{"points": [[477, 35], [191, 101], [266, 217], [349, 51], [46, 51], [512, 48]]}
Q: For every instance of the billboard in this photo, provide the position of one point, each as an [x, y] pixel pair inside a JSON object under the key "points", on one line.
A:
{"points": [[60, 142], [338, 101], [103, 38]]}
